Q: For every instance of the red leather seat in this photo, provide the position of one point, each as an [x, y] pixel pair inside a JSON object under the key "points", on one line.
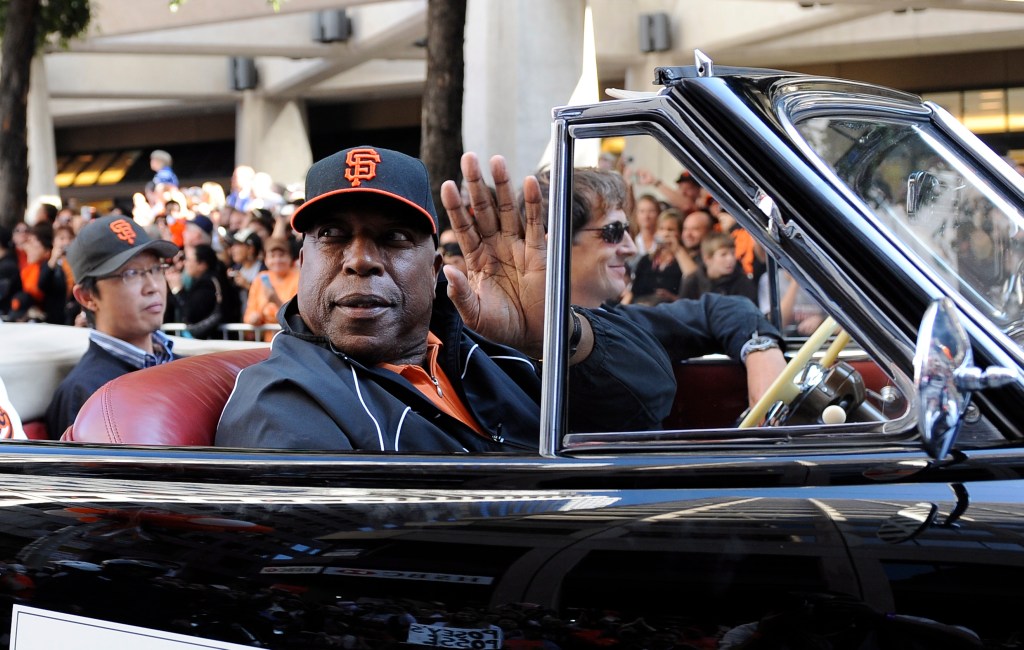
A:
{"points": [[176, 403]]}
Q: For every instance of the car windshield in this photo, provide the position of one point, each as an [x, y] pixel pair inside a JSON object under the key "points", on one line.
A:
{"points": [[934, 203]]}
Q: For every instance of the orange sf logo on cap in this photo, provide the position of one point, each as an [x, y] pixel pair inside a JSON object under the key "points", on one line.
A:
{"points": [[361, 165], [123, 230], [6, 428]]}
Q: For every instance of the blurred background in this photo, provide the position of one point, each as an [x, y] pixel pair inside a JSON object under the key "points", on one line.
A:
{"points": [[220, 83]]}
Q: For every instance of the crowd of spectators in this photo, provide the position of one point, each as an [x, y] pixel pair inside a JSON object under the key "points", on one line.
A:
{"points": [[222, 235], [688, 246]]}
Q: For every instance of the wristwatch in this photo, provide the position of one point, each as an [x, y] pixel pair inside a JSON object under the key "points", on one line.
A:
{"points": [[756, 343], [577, 332]]}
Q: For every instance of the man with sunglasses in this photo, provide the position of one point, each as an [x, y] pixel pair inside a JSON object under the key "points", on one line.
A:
{"points": [[684, 328], [119, 281]]}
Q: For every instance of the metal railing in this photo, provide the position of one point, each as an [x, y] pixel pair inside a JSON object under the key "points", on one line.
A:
{"points": [[228, 331]]}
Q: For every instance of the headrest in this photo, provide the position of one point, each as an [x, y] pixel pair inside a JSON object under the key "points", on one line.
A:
{"points": [[177, 403]]}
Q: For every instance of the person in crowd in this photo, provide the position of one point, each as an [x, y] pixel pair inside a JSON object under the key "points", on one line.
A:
{"points": [[74, 219], [659, 275], [273, 287], [241, 188], [10, 274], [119, 273], [748, 253], [684, 328], [677, 195], [160, 162], [721, 273], [691, 189], [63, 235], [374, 353], [198, 295], [246, 251], [198, 230], [645, 216], [43, 287], [18, 236], [212, 197], [451, 252], [261, 221], [696, 227], [47, 213]]}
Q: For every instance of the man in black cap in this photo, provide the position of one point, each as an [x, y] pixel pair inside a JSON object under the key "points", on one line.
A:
{"points": [[373, 354], [119, 281]]}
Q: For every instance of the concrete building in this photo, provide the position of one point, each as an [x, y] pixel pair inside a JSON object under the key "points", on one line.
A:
{"points": [[225, 82]]}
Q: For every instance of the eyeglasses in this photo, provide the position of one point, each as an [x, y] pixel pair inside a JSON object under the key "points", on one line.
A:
{"points": [[133, 277], [611, 233]]}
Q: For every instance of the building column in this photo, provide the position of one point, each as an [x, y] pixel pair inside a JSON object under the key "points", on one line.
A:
{"points": [[646, 151], [42, 149], [272, 136], [514, 77]]}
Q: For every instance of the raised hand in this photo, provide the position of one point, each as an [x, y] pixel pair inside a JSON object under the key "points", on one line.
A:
{"points": [[503, 296]]}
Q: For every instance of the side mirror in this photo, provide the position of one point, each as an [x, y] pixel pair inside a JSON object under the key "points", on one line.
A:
{"points": [[945, 376]]}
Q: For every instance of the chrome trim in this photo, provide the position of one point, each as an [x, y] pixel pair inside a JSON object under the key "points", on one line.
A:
{"points": [[797, 104], [705, 66], [554, 410], [866, 434]]}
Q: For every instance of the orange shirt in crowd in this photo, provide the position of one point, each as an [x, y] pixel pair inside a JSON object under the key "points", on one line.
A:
{"points": [[259, 310], [744, 243]]}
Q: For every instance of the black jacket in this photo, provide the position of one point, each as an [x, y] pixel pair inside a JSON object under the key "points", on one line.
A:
{"points": [[200, 306], [712, 324], [309, 396]]}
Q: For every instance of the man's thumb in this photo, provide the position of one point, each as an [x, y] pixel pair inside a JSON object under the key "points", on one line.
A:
{"points": [[461, 295]]}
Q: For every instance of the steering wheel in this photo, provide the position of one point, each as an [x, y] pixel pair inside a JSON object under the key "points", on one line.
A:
{"points": [[783, 389]]}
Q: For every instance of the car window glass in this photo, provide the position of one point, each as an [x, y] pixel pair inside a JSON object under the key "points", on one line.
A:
{"points": [[711, 394], [934, 203]]}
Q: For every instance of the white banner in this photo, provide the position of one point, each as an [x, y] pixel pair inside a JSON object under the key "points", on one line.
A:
{"points": [[40, 629]]}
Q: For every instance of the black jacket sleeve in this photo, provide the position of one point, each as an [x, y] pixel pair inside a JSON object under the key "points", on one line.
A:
{"points": [[199, 306], [626, 384], [691, 328]]}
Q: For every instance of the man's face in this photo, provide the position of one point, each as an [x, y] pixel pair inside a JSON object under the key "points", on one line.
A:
{"points": [[130, 311], [668, 230], [599, 267], [278, 261], [367, 282], [646, 214], [695, 227], [690, 189], [194, 235], [34, 249], [193, 267], [720, 263], [239, 253]]}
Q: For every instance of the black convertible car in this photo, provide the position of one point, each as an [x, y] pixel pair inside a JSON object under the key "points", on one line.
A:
{"points": [[874, 499]]}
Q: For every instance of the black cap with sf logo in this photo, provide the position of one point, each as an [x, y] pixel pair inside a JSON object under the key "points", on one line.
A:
{"points": [[365, 172]]}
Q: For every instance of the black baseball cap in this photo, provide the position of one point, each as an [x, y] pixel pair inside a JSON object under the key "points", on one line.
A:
{"points": [[108, 243], [366, 172]]}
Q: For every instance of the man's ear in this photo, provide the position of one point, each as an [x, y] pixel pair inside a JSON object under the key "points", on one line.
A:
{"points": [[438, 264], [84, 297]]}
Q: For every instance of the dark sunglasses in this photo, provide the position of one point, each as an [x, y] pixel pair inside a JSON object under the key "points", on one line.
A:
{"points": [[611, 233]]}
